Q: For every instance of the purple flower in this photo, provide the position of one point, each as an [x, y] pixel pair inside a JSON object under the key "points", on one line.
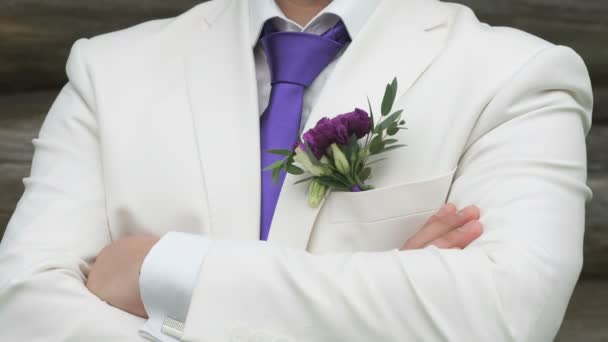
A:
{"points": [[336, 130], [357, 122]]}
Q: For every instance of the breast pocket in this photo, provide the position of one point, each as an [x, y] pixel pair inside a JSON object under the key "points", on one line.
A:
{"points": [[379, 219]]}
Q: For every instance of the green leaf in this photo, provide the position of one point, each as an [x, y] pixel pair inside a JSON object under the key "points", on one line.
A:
{"points": [[376, 161], [353, 149], [390, 148], [373, 150], [392, 131], [364, 152], [371, 115], [290, 160], [390, 141], [389, 120], [303, 180], [275, 165], [332, 183], [389, 97], [337, 176], [376, 145], [365, 173], [286, 153], [294, 170], [353, 142], [275, 175], [377, 140], [366, 187], [402, 122]]}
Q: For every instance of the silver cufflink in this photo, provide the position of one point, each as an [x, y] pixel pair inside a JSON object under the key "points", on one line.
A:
{"points": [[172, 328]]}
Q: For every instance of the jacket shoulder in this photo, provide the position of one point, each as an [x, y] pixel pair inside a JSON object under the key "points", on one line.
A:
{"points": [[469, 31], [150, 38], [478, 45]]}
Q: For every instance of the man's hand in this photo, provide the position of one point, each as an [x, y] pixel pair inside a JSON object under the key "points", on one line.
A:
{"points": [[448, 229], [114, 277]]}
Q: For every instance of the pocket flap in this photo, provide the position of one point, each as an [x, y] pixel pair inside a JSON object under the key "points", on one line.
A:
{"points": [[389, 202]]}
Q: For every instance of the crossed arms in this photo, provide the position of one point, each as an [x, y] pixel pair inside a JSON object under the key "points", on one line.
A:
{"points": [[525, 166]]}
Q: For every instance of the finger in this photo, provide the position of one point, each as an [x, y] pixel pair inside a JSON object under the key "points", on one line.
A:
{"points": [[447, 209], [415, 241], [460, 237], [441, 225]]}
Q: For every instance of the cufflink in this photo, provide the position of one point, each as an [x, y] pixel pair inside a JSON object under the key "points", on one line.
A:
{"points": [[172, 328]]}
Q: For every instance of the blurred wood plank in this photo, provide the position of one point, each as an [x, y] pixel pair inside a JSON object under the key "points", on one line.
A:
{"points": [[35, 35], [11, 175], [597, 148], [580, 24], [21, 116], [587, 316], [600, 104], [596, 228]]}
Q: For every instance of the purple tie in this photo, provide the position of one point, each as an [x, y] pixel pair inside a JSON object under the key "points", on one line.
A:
{"points": [[295, 59]]}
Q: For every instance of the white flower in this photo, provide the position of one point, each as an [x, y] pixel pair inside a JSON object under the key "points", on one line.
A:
{"points": [[316, 193], [315, 170], [340, 159]]}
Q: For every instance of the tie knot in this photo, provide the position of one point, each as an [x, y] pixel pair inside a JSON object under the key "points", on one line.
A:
{"points": [[299, 57]]}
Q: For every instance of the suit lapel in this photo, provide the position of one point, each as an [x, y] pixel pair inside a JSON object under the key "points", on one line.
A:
{"points": [[222, 86], [401, 40]]}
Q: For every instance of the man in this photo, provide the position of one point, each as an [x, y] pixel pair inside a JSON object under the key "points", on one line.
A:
{"points": [[151, 154]]}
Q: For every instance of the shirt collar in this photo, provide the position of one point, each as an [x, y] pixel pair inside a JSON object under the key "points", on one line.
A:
{"points": [[354, 14]]}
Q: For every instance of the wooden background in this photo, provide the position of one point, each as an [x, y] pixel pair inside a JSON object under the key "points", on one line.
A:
{"points": [[35, 37]]}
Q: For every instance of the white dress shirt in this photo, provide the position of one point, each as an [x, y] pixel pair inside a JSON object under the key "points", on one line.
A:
{"points": [[170, 270]]}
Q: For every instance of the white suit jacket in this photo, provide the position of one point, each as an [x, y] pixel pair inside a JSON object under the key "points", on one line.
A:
{"points": [[157, 131]]}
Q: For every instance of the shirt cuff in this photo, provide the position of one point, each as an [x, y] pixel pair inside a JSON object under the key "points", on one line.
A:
{"points": [[167, 279]]}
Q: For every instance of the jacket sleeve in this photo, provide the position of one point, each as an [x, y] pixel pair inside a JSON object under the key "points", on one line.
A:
{"points": [[58, 228], [524, 166]]}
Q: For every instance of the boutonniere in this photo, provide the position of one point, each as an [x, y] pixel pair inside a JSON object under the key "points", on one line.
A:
{"points": [[337, 152]]}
